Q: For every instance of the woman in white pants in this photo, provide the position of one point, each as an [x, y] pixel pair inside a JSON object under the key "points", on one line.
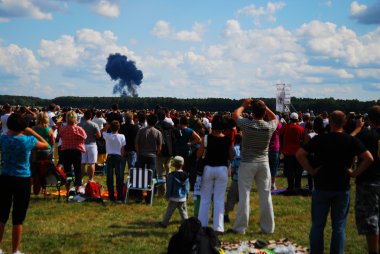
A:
{"points": [[215, 174]]}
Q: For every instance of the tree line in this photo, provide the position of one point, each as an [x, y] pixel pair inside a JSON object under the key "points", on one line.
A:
{"points": [[209, 104]]}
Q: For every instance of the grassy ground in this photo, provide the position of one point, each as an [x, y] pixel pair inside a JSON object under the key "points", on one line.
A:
{"points": [[60, 227]]}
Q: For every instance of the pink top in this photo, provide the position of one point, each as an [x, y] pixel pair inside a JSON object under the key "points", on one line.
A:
{"points": [[72, 137], [274, 144]]}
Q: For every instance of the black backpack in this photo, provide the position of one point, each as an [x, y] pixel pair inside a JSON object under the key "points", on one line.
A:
{"points": [[192, 238], [168, 136]]}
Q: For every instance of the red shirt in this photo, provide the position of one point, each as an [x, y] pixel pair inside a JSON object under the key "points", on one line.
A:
{"points": [[292, 138], [72, 137]]}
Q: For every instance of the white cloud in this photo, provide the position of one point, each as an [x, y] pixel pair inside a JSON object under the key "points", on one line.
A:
{"points": [[84, 54], [42, 9], [366, 14], [368, 73], [22, 8], [164, 30], [327, 40], [357, 8], [19, 63], [258, 13], [107, 8]]}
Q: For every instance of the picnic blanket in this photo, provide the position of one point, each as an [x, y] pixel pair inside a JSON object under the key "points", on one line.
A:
{"points": [[283, 246]]}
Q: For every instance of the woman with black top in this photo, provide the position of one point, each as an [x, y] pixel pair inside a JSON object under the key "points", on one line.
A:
{"points": [[215, 173]]}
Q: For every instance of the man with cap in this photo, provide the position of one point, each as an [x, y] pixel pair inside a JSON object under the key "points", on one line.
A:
{"points": [[177, 191], [291, 138]]}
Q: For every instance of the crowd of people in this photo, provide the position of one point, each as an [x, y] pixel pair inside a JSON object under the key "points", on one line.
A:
{"points": [[198, 152]]}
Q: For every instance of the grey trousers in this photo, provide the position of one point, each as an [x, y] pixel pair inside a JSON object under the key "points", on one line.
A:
{"points": [[172, 205]]}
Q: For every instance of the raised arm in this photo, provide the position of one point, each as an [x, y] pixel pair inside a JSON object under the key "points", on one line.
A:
{"points": [[270, 114], [41, 142], [237, 113]]}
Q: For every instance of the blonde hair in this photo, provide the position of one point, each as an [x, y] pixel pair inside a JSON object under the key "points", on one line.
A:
{"points": [[71, 118], [43, 118]]}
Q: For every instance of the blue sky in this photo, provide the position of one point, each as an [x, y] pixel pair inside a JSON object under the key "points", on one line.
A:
{"points": [[192, 49]]}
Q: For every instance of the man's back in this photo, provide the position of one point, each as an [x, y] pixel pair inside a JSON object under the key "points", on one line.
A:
{"points": [[149, 139], [91, 129], [292, 137], [371, 140], [334, 153], [257, 134]]}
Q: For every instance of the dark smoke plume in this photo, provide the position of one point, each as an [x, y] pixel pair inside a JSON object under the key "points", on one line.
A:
{"points": [[123, 70]]}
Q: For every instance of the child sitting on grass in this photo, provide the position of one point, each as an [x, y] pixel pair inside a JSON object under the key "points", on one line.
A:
{"points": [[177, 191]]}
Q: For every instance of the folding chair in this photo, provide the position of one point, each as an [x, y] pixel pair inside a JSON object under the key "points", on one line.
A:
{"points": [[140, 179]]}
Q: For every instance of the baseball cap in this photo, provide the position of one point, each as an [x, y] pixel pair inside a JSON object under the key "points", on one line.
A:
{"points": [[294, 116]]}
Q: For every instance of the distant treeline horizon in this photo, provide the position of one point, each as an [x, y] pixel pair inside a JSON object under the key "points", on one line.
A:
{"points": [[203, 104]]}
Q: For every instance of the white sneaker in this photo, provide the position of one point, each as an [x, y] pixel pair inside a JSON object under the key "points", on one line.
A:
{"points": [[18, 252], [1, 251]]}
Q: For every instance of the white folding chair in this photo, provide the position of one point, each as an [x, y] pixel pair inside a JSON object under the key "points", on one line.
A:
{"points": [[140, 179]]}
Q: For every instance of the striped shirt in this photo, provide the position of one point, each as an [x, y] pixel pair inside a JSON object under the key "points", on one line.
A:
{"points": [[256, 137]]}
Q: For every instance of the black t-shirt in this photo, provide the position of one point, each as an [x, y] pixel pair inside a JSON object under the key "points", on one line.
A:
{"points": [[334, 153], [114, 116], [217, 150], [130, 131], [371, 140]]}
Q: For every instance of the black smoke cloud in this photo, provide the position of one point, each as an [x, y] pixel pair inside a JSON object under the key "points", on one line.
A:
{"points": [[125, 72]]}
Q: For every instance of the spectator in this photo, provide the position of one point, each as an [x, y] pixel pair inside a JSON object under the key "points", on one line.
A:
{"points": [[115, 143], [274, 155], [167, 131], [4, 118], [148, 145], [334, 154], [43, 129], [367, 204], [215, 174], [90, 156], [177, 192], [325, 117], [254, 164], [73, 137], [99, 119], [129, 130], [186, 138], [114, 115], [29, 115], [292, 136], [15, 184]]}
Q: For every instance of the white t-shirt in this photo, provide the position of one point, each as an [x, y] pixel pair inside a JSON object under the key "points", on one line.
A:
{"points": [[99, 121], [4, 119], [52, 123], [114, 142], [169, 120]]}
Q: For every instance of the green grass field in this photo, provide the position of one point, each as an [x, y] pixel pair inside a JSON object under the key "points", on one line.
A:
{"points": [[60, 227]]}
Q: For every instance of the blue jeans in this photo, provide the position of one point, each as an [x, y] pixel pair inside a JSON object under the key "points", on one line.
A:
{"points": [[274, 161], [130, 159], [321, 203], [147, 162], [115, 162]]}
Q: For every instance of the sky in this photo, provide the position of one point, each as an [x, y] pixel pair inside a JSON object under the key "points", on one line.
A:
{"points": [[192, 49]]}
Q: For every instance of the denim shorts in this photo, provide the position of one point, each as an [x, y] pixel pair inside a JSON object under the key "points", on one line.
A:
{"points": [[367, 209]]}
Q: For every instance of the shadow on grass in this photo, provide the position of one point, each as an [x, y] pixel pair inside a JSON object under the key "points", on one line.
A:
{"points": [[138, 229]]}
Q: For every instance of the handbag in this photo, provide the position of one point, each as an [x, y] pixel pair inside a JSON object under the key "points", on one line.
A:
{"points": [[201, 161]]}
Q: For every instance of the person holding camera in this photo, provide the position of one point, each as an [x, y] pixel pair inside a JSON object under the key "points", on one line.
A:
{"points": [[254, 164]]}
